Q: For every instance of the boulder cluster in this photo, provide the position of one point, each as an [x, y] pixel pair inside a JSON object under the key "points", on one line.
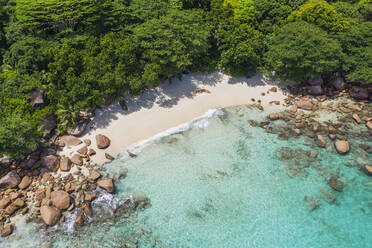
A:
{"points": [[44, 185]]}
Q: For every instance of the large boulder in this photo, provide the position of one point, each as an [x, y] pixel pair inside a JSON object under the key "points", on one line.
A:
{"points": [[4, 202], [49, 215], [10, 180], [51, 162], [338, 83], [305, 104], [102, 141], [107, 184], [78, 129], [359, 93], [315, 90], [315, 81], [26, 181], [342, 146], [60, 199]]}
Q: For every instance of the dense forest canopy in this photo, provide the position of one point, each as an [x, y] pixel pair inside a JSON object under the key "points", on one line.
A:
{"points": [[59, 58]]}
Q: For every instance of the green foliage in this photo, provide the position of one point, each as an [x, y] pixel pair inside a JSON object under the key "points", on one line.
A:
{"points": [[271, 13], [171, 44], [356, 42], [320, 13], [240, 47], [301, 51], [29, 54], [52, 16]]}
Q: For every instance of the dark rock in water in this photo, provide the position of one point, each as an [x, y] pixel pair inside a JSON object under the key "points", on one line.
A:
{"points": [[359, 93], [123, 105], [10, 180], [79, 128], [132, 155], [80, 219], [109, 157], [37, 99], [274, 116], [335, 184], [312, 202], [338, 83], [315, 90], [252, 123], [327, 196], [366, 148]]}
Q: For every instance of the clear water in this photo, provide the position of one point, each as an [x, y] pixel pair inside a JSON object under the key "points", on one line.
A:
{"points": [[223, 186]]}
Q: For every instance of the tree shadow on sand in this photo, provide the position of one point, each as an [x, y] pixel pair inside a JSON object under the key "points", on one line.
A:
{"points": [[169, 94]]}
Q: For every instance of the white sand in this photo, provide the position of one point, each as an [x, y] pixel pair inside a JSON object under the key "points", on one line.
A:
{"points": [[170, 105]]}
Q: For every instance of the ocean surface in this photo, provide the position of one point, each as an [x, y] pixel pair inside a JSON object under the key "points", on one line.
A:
{"points": [[220, 182]]}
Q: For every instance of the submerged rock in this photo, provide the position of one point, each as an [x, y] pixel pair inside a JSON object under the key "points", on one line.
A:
{"points": [[368, 169], [320, 141], [312, 202], [342, 146], [305, 104], [274, 116], [335, 184]]}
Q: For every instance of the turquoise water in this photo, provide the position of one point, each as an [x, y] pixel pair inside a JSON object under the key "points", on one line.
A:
{"points": [[223, 185]]}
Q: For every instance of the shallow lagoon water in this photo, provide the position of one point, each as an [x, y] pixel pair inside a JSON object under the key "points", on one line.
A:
{"points": [[221, 184]]}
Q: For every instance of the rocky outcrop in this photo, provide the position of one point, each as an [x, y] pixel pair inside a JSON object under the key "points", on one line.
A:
{"points": [[10, 180], [26, 181], [107, 184], [51, 162], [49, 215], [342, 146], [102, 141], [60, 199], [78, 129]]}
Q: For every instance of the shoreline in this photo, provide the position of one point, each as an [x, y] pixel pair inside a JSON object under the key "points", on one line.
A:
{"points": [[170, 105]]}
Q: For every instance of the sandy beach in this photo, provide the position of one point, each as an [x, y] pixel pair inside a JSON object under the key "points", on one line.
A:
{"points": [[170, 105]]}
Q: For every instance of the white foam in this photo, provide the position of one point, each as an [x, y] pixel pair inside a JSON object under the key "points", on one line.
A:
{"points": [[200, 122]]}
